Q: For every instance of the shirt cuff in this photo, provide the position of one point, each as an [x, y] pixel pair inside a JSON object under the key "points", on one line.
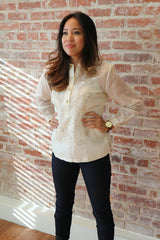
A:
{"points": [[115, 122], [49, 117]]}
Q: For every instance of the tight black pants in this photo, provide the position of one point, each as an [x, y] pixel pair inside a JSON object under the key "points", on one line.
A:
{"points": [[97, 177]]}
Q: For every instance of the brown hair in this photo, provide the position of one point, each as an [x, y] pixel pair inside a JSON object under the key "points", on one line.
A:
{"points": [[58, 67]]}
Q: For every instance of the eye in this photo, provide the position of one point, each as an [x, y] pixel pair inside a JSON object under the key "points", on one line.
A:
{"points": [[65, 33], [77, 32]]}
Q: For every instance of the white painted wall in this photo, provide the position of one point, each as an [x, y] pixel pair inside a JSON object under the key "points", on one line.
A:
{"points": [[42, 219]]}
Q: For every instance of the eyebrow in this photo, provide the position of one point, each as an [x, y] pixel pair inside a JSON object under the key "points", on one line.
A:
{"points": [[73, 28]]}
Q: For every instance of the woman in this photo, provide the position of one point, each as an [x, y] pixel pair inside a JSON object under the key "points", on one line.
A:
{"points": [[71, 95]]}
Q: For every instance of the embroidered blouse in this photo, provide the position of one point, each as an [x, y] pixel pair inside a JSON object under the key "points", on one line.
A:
{"points": [[71, 141]]}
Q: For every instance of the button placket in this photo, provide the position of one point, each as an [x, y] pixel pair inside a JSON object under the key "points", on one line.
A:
{"points": [[70, 87]]}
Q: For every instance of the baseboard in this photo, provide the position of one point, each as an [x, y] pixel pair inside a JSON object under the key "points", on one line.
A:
{"points": [[42, 219]]}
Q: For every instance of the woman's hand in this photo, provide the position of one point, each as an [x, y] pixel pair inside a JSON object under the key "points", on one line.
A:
{"points": [[93, 120], [54, 122]]}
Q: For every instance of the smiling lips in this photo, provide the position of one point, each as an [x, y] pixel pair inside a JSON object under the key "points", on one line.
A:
{"points": [[69, 45]]}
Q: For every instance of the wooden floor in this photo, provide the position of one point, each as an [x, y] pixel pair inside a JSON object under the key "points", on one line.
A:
{"points": [[11, 231]]}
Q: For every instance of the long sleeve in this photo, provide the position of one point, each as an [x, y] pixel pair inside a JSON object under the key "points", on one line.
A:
{"points": [[43, 98], [127, 100]]}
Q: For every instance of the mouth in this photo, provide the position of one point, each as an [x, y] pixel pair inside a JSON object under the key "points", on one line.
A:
{"points": [[69, 46]]}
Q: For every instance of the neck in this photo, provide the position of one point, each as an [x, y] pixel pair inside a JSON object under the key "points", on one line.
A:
{"points": [[75, 61]]}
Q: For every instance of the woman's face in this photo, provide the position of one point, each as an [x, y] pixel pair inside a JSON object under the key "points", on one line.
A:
{"points": [[73, 39]]}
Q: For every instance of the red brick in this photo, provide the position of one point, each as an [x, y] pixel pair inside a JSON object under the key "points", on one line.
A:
{"points": [[21, 36], [122, 131], [155, 80], [153, 1], [124, 170], [142, 90], [11, 6], [13, 148], [32, 152], [78, 3], [154, 92], [110, 23], [50, 25], [23, 143], [44, 36], [142, 163], [3, 6], [147, 68], [33, 35], [111, 1], [156, 224], [29, 5], [145, 34], [155, 164], [104, 45], [2, 45], [157, 33], [141, 201], [29, 55], [3, 139], [9, 26], [42, 163], [126, 45], [98, 12], [57, 3], [151, 144], [152, 10], [131, 189], [136, 79], [128, 160], [116, 149], [151, 213], [132, 57], [123, 67], [141, 22], [45, 55], [133, 170], [128, 34], [43, 15], [2, 16], [124, 178], [149, 102], [111, 57], [30, 26], [17, 16], [128, 11], [116, 158], [10, 36], [153, 194], [21, 45]]}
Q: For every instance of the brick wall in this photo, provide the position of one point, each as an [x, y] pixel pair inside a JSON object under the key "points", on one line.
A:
{"points": [[129, 36]]}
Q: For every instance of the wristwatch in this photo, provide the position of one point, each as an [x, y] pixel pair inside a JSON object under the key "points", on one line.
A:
{"points": [[109, 125]]}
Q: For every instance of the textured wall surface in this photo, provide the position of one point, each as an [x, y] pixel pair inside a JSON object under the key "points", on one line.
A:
{"points": [[129, 37]]}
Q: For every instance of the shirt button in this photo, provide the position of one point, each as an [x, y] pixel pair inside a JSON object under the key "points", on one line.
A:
{"points": [[67, 101]]}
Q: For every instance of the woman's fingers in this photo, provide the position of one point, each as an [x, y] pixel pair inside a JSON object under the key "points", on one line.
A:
{"points": [[54, 121], [93, 120]]}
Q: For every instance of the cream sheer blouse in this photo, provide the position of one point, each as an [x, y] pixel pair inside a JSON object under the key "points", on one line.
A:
{"points": [[71, 141]]}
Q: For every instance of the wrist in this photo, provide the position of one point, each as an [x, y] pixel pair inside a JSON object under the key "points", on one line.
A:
{"points": [[109, 125]]}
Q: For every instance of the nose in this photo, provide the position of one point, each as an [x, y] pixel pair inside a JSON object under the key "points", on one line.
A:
{"points": [[70, 36]]}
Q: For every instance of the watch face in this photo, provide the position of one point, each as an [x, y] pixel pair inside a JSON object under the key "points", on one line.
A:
{"points": [[109, 124]]}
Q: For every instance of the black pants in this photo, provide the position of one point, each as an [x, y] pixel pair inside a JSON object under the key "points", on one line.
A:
{"points": [[97, 177]]}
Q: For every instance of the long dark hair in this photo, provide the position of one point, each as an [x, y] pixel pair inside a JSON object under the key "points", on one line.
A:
{"points": [[58, 67]]}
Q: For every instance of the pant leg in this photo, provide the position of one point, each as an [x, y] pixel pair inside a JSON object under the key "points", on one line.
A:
{"points": [[65, 177], [97, 177]]}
